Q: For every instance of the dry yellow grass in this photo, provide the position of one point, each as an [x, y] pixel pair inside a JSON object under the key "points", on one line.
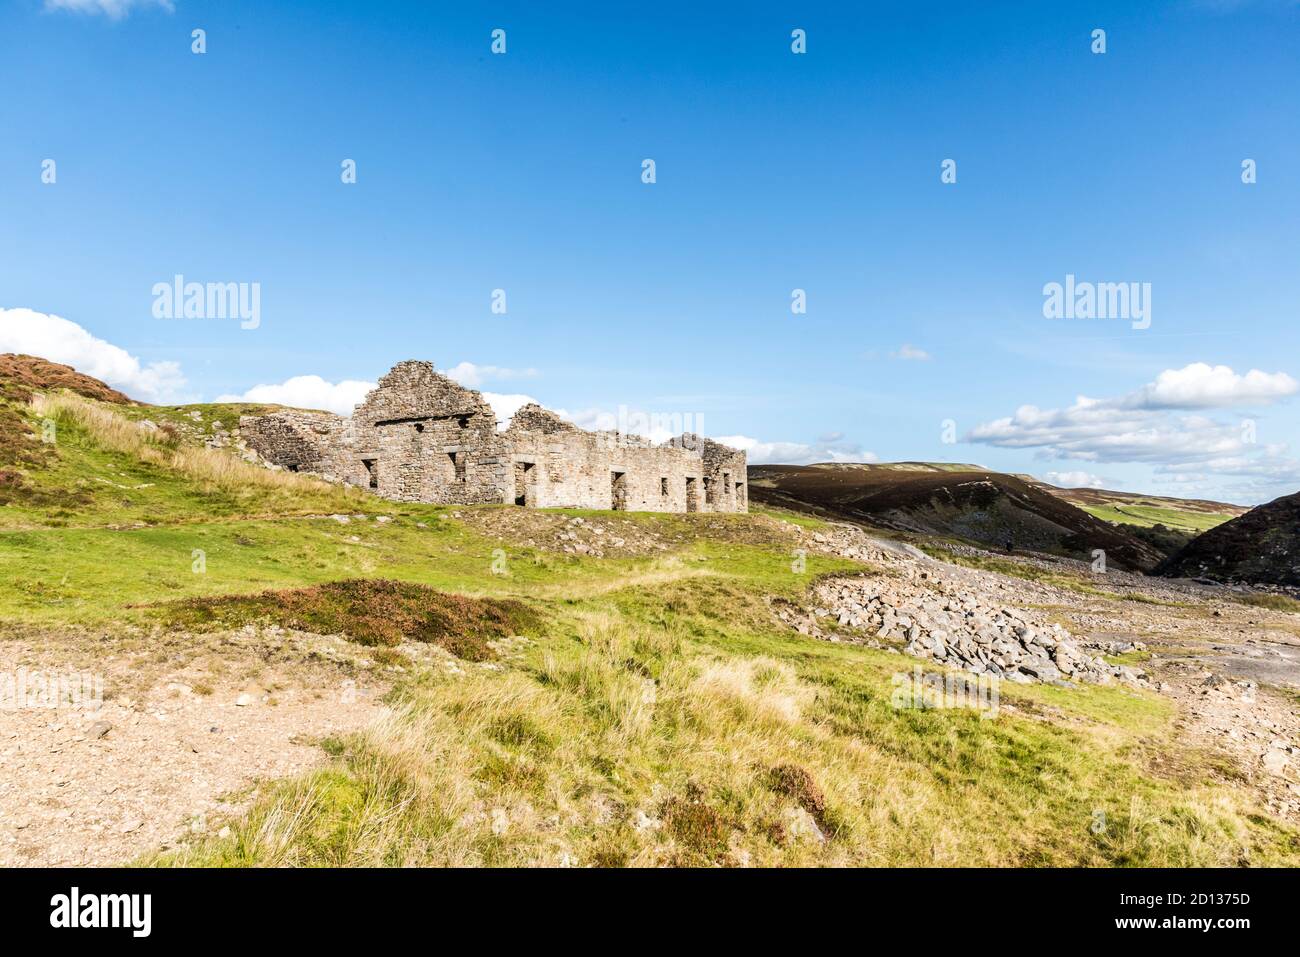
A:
{"points": [[631, 745], [211, 467]]}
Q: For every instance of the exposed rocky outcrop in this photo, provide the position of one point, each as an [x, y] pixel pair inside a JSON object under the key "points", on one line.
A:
{"points": [[948, 615], [961, 628]]}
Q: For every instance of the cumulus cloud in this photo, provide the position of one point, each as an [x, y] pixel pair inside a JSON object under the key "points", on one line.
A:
{"points": [[1164, 424], [910, 352], [61, 340], [1075, 479], [1202, 386], [471, 376], [307, 392], [113, 9]]}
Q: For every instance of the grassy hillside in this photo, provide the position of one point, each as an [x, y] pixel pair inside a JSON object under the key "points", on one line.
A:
{"points": [[1262, 546], [641, 707], [989, 508], [1190, 516]]}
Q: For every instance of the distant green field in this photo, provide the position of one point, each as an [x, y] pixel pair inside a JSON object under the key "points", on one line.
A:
{"points": [[1146, 516]]}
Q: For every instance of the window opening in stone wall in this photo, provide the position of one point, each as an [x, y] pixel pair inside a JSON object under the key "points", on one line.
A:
{"points": [[726, 483], [372, 472], [458, 465], [663, 486], [618, 491], [463, 421], [708, 490], [419, 426], [740, 495], [692, 497]]}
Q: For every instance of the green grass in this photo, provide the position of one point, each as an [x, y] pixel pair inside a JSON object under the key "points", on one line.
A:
{"points": [[1148, 516], [676, 728], [88, 482], [654, 711], [198, 419], [97, 575]]}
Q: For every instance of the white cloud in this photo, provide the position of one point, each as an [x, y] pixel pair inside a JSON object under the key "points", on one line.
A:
{"points": [[795, 453], [1202, 386], [910, 352], [1076, 479], [1145, 426], [61, 340], [113, 9], [471, 376], [307, 392], [505, 406]]}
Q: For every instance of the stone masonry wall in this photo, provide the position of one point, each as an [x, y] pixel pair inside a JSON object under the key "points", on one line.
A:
{"points": [[297, 441], [420, 437]]}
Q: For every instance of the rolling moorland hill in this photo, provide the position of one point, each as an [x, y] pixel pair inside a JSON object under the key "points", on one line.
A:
{"points": [[1164, 523], [964, 502], [296, 673], [1260, 547]]}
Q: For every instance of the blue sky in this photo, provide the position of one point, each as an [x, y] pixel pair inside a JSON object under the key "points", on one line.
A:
{"points": [[775, 172]]}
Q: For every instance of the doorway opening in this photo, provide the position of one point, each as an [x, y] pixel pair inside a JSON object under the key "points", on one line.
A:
{"points": [[523, 478], [618, 491], [372, 472]]}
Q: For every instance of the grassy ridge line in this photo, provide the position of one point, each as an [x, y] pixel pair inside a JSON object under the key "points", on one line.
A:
{"points": [[90, 576], [113, 432], [104, 469]]}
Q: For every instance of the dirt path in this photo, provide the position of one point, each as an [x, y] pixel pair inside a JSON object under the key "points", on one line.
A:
{"points": [[174, 747]]}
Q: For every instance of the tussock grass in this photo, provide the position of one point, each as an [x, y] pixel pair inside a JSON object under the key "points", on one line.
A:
{"points": [[107, 469], [209, 467], [655, 715], [621, 742]]}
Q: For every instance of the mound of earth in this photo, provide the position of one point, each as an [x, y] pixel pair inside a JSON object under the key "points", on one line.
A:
{"points": [[1261, 547], [986, 507], [614, 534], [370, 612], [21, 375]]}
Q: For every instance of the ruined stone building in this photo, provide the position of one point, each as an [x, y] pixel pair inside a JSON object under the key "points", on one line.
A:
{"points": [[420, 437]]}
